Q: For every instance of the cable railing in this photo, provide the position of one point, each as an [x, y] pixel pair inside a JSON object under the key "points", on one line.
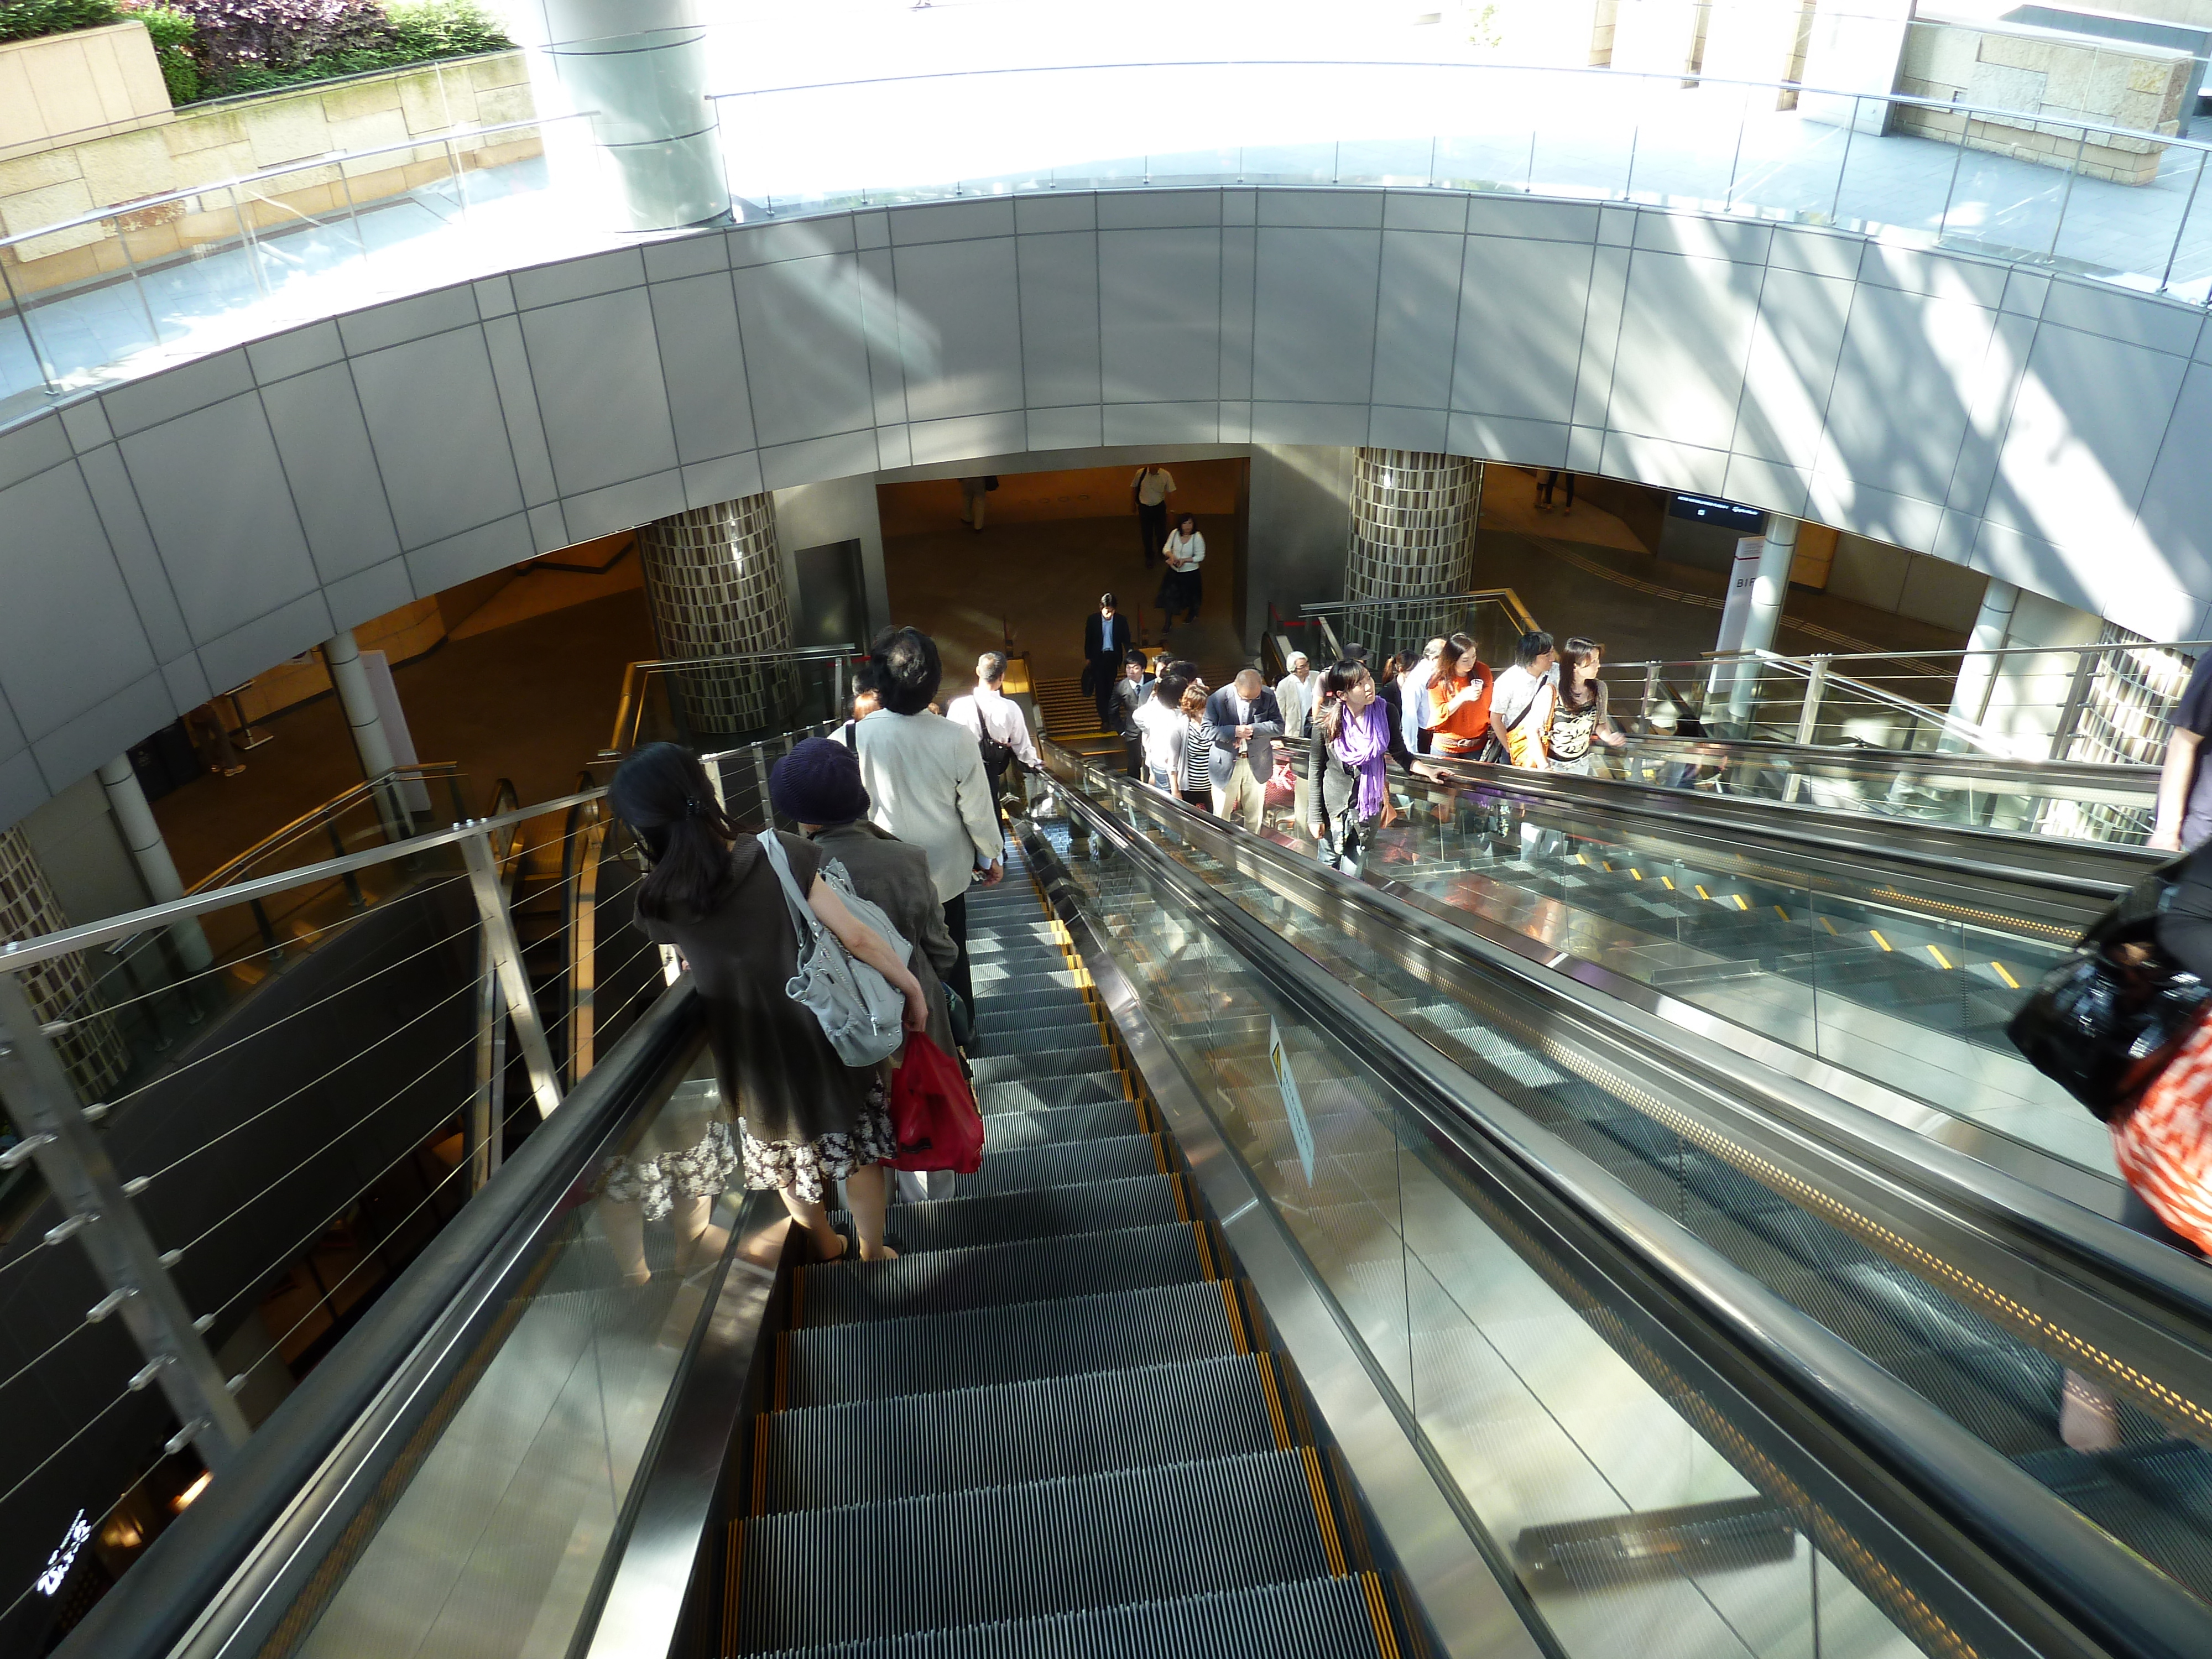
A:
{"points": [[2061, 739], [1493, 617], [242, 1201], [126, 289]]}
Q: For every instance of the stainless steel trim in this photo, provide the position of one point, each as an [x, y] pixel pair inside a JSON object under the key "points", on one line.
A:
{"points": [[681, 1494], [1473, 1613], [2042, 1546]]}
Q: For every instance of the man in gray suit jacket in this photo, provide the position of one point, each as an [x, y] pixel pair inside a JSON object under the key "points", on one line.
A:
{"points": [[1245, 721]]}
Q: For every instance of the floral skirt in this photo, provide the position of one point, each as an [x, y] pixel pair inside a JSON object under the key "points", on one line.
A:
{"points": [[702, 1170], [805, 1169]]}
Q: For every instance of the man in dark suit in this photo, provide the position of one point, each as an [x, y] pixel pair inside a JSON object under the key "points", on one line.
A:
{"points": [[1245, 720], [1106, 641], [1130, 693]]}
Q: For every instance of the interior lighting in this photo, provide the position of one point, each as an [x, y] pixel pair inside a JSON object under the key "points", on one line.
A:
{"points": [[183, 1500]]}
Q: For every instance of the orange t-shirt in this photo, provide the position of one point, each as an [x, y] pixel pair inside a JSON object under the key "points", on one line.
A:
{"points": [[1467, 729]]}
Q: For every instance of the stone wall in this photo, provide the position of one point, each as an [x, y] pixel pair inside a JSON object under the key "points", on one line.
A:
{"points": [[2063, 78], [208, 144], [60, 84]]}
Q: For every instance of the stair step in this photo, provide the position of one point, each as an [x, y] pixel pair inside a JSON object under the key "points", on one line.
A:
{"points": [[1042, 1040], [852, 1292], [1020, 1167], [1023, 1094], [999, 1016], [1311, 1618], [1184, 1528], [1066, 1063], [1058, 1212], [1013, 1432], [840, 1363], [1007, 1003], [1101, 1120]]}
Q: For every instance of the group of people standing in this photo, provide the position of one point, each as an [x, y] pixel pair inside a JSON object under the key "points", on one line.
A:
{"points": [[902, 802], [1548, 711]]}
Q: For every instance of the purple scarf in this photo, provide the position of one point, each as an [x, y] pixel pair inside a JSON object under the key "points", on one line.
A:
{"points": [[1363, 741]]}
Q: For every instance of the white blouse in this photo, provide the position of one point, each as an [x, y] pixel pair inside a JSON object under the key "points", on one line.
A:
{"points": [[1183, 553]]}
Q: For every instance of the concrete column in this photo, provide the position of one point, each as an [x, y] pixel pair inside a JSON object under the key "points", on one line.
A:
{"points": [[61, 988], [143, 835], [715, 585], [1413, 517], [1970, 696], [342, 657], [651, 150], [1759, 584], [371, 742]]}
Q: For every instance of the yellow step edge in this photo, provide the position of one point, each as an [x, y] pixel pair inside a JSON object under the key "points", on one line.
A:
{"points": [[1331, 1545]]}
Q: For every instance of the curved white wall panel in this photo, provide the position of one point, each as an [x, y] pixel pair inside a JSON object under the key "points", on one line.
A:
{"points": [[174, 536]]}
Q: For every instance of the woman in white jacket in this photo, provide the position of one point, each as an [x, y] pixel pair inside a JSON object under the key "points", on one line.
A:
{"points": [[1182, 584]]}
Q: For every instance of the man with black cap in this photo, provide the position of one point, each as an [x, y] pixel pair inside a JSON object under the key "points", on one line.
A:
{"points": [[1106, 642], [818, 785]]}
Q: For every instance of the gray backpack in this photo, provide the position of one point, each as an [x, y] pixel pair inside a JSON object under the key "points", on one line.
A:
{"points": [[860, 1011]]}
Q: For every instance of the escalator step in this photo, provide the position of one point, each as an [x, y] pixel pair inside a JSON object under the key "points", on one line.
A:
{"points": [[1005, 1005], [1314, 1618], [1101, 1120], [1022, 1551], [1005, 1345], [1098, 1206], [852, 1292], [998, 1018], [1021, 1167], [1044, 1093], [1073, 1062], [987, 975], [1015, 1432], [1044, 1040]]}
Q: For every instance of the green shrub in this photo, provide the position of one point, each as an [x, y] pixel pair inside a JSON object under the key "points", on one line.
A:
{"points": [[27, 20], [444, 29], [173, 35]]}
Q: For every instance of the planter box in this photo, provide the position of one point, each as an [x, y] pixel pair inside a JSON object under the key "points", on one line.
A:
{"points": [[64, 83]]}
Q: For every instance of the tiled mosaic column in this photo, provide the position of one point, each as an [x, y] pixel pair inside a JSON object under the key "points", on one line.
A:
{"points": [[60, 988], [1413, 534], [713, 579]]}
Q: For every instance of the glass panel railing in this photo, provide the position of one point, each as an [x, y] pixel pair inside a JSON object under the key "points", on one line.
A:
{"points": [[1939, 1310], [498, 1541], [1638, 1511], [126, 289]]}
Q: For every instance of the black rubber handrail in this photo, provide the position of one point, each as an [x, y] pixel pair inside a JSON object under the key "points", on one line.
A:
{"points": [[203, 1570], [2053, 1553]]}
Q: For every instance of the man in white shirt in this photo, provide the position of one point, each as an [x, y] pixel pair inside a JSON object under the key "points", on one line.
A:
{"points": [[1521, 702], [926, 784], [1294, 695], [1150, 489], [1413, 698], [1002, 731]]}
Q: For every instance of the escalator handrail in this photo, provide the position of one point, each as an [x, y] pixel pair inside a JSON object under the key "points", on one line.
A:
{"points": [[2114, 1252], [2003, 769], [1975, 855], [2052, 1552], [205, 1576]]}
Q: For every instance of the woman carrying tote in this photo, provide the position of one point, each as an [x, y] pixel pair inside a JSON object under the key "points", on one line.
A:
{"points": [[1581, 716], [805, 1119], [1182, 584], [1352, 738]]}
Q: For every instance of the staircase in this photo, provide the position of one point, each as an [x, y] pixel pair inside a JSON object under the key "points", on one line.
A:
{"points": [[1056, 1424], [1066, 710]]}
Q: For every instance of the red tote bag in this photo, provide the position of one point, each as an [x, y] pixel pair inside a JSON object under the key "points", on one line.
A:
{"points": [[2164, 1144], [933, 1113]]}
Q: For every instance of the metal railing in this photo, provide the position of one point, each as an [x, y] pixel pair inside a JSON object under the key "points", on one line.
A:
{"points": [[269, 249], [681, 700], [359, 1095], [1494, 617]]}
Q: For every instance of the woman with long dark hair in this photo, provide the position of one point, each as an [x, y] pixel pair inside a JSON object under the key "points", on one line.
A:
{"points": [[1581, 716], [1348, 751], [805, 1119]]}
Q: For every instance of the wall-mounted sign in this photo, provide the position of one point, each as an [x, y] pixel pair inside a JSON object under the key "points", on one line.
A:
{"points": [[1726, 515], [49, 1583], [1301, 1131]]}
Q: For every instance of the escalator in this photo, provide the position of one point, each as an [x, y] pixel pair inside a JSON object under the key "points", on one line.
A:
{"points": [[1267, 1327], [1976, 1292], [1891, 954]]}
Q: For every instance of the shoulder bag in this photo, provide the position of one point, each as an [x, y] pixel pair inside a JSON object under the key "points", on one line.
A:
{"points": [[2104, 1022], [861, 1012]]}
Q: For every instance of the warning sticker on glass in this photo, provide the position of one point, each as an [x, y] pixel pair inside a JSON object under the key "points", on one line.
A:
{"points": [[1301, 1131]]}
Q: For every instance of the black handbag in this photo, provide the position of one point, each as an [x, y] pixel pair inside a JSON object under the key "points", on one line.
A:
{"points": [[2104, 1022]]}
